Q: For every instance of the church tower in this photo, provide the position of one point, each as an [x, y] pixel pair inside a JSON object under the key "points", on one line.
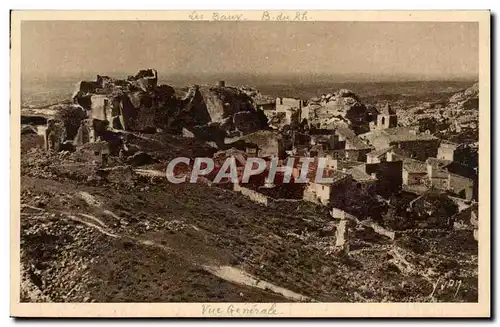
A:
{"points": [[387, 118]]}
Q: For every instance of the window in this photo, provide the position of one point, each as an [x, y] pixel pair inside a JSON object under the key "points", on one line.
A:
{"points": [[383, 120]]}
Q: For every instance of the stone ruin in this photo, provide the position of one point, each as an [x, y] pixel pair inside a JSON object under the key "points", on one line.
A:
{"points": [[139, 104]]}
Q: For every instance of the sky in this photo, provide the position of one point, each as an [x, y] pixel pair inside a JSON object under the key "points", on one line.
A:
{"points": [[419, 49]]}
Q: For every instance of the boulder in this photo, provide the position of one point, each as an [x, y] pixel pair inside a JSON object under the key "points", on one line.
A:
{"points": [[247, 122]]}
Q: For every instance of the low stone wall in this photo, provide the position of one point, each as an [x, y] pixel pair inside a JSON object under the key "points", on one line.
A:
{"points": [[252, 195], [423, 232], [341, 214], [260, 198], [381, 230]]}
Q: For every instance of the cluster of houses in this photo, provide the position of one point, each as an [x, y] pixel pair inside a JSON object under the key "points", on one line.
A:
{"points": [[381, 162], [386, 159]]}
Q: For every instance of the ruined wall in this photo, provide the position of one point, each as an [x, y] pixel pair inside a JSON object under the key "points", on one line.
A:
{"points": [[269, 144], [85, 87], [342, 234], [100, 107], [285, 104], [462, 186]]}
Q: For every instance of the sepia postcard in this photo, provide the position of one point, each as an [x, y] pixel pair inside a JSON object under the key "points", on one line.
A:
{"points": [[250, 164]]}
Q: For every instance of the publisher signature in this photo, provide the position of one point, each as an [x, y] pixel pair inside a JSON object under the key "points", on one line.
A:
{"points": [[446, 284]]}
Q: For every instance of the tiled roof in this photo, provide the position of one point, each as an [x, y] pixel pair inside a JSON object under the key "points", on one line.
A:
{"points": [[351, 137], [379, 153], [439, 163], [400, 130], [336, 175], [341, 164], [358, 174], [411, 137], [398, 134], [358, 144]]}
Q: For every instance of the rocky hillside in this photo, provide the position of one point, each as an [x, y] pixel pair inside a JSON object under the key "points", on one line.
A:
{"points": [[455, 118], [467, 99]]}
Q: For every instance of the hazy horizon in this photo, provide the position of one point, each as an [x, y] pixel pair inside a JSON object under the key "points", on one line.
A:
{"points": [[349, 50]]}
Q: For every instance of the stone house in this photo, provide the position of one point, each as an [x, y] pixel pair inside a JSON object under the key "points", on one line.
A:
{"points": [[364, 181], [441, 176], [356, 149], [323, 193], [414, 172], [446, 150], [462, 186]]}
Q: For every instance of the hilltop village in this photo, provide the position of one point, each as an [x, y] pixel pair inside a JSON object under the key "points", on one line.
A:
{"points": [[404, 179]]}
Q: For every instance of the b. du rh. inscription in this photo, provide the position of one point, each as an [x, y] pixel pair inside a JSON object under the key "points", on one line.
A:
{"points": [[285, 17]]}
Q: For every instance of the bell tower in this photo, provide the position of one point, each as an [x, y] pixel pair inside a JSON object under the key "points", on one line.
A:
{"points": [[387, 118]]}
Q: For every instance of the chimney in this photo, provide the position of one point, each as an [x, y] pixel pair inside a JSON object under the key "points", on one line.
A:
{"points": [[221, 83]]}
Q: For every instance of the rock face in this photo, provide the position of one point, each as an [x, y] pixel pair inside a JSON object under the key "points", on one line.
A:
{"points": [[98, 108], [247, 122], [222, 102], [341, 106]]}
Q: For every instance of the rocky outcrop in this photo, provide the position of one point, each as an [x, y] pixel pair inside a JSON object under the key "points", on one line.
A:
{"points": [[145, 80]]}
